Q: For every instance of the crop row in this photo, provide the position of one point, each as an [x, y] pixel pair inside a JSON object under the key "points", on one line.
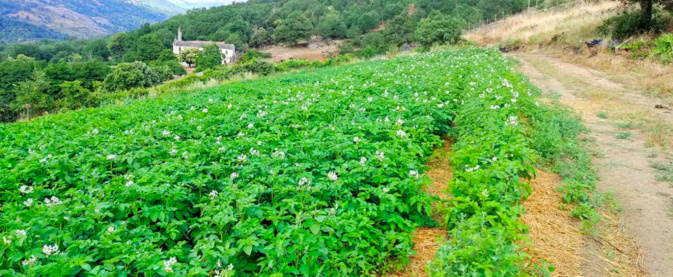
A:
{"points": [[491, 160]]}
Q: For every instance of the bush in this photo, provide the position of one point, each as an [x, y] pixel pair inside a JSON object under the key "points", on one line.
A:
{"points": [[438, 28], [663, 47], [131, 75], [260, 67], [293, 64], [368, 52], [347, 48], [75, 96], [632, 23], [210, 57], [163, 71], [251, 55]]}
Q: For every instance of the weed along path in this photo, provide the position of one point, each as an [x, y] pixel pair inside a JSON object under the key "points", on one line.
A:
{"points": [[627, 131]]}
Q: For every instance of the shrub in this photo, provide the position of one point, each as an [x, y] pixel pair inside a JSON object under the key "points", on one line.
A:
{"points": [[293, 64], [252, 55], [210, 57], [438, 28], [75, 96], [260, 67], [131, 75], [346, 48], [632, 23], [663, 47]]}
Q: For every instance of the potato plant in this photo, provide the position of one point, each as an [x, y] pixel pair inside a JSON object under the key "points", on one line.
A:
{"points": [[318, 173]]}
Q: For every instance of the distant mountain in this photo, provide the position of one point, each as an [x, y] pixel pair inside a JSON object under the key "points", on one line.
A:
{"points": [[192, 4], [26, 20], [161, 6]]}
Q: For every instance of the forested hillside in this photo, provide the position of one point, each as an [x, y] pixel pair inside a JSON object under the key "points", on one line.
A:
{"points": [[77, 18]]}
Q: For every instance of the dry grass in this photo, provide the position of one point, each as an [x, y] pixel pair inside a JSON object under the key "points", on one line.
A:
{"points": [[554, 235], [651, 77], [622, 256], [556, 238], [602, 91], [540, 27], [561, 32]]}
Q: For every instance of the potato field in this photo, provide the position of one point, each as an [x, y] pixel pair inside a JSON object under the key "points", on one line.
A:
{"points": [[315, 173]]}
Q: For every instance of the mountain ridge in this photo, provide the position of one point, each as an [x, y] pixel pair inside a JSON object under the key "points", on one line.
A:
{"points": [[82, 19]]}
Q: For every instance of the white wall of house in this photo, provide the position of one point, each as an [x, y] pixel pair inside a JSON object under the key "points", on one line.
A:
{"points": [[228, 54]]}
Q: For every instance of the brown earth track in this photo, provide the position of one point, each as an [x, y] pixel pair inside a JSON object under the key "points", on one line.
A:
{"points": [[623, 167]]}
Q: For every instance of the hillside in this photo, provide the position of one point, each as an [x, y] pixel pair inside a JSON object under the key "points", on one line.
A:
{"points": [[77, 18], [192, 4]]}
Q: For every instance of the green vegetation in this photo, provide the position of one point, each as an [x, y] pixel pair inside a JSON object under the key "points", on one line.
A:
{"points": [[624, 135], [210, 57], [325, 165], [630, 23], [603, 115], [666, 171], [255, 23], [111, 16]]}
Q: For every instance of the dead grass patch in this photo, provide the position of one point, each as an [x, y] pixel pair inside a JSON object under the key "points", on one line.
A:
{"points": [[540, 27], [554, 234]]}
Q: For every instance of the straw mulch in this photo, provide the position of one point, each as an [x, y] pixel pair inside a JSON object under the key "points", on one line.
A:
{"points": [[556, 238], [554, 234], [427, 240]]}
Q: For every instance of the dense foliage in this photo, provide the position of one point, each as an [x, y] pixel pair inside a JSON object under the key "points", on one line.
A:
{"points": [[314, 173], [262, 22], [16, 31]]}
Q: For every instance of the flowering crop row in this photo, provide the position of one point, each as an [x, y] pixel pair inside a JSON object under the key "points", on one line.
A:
{"points": [[493, 158], [313, 174]]}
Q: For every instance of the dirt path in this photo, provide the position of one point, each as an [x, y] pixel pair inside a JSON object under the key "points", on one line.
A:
{"points": [[612, 111]]}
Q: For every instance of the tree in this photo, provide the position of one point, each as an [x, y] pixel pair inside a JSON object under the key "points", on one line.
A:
{"points": [[210, 57], [647, 7], [75, 96], [332, 26], [97, 48], [400, 30], [167, 55], [57, 73], [12, 72], [188, 56], [149, 48], [117, 46], [261, 37], [353, 32], [438, 28], [369, 21], [295, 28], [130, 75], [32, 95], [90, 72], [241, 43]]}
